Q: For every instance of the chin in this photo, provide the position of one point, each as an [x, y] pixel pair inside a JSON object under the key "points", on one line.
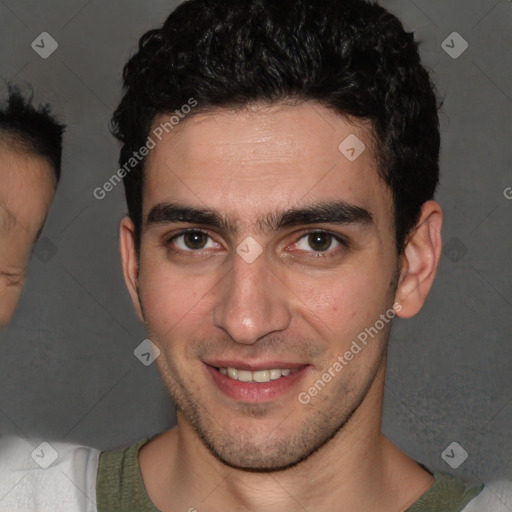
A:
{"points": [[258, 463]]}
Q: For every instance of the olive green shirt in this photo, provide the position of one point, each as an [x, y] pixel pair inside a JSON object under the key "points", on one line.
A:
{"points": [[120, 488]]}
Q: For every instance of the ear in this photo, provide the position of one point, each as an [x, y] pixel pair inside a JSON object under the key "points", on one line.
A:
{"points": [[420, 260], [130, 262]]}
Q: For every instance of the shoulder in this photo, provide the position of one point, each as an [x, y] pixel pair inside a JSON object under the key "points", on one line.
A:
{"points": [[496, 496], [119, 484], [448, 493], [47, 476]]}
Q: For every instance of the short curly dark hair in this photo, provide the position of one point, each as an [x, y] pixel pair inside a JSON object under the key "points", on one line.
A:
{"points": [[351, 56]]}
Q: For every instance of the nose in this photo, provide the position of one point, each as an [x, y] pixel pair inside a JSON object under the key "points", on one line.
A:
{"points": [[251, 302]]}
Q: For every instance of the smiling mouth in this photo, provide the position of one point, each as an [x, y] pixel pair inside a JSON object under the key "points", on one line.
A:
{"points": [[260, 376], [255, 382]]}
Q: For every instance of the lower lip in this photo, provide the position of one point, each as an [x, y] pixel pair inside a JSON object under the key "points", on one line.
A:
{"points": [[255, 392]]}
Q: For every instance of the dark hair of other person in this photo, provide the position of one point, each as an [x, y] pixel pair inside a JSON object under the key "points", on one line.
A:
{"points": [[30, 129], [352, 57]]}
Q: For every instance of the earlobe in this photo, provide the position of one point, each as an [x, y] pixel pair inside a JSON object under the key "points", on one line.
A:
{"points": [[420, 260], [130, 262]]}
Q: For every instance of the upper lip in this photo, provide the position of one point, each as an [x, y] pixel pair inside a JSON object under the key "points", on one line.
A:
{"points": [[254, 366]]}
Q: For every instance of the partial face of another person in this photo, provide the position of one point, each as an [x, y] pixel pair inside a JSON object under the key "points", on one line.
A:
{"points": [[27, 186], [263, 247]]}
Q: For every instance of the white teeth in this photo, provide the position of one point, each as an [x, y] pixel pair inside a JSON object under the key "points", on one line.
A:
{"points": [[256, 376], [275, 374], [244, 375], [261, 376]]}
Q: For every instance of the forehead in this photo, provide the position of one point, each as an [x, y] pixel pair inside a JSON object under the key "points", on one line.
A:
{"points": [[252, 160], [26, 190]]}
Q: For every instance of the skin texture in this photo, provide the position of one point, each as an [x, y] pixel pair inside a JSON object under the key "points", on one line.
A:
{"points": [[27, 185], [293, 303]]}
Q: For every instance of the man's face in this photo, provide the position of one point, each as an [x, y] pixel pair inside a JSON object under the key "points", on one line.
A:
{"points": [[317, 284], [26, 191]]}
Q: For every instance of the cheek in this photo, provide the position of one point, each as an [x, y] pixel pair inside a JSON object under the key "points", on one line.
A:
{"points": [[345, 303], [172, 300]]}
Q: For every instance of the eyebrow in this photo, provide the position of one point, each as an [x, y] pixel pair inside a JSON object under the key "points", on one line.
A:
{"points": [[330, 212]]}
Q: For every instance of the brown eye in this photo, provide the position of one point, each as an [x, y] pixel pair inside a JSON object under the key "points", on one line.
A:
{"points": [[195, 240], [320, 241], [190, 241]]}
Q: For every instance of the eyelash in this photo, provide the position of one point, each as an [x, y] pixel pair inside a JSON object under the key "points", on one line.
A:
{"points": [[344, 244]]}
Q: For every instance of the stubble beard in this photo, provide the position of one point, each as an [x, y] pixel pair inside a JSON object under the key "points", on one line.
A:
{"points": [[287, 445]]}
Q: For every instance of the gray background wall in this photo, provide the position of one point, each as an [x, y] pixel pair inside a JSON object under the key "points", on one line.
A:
{"points": [[67, 369]]}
